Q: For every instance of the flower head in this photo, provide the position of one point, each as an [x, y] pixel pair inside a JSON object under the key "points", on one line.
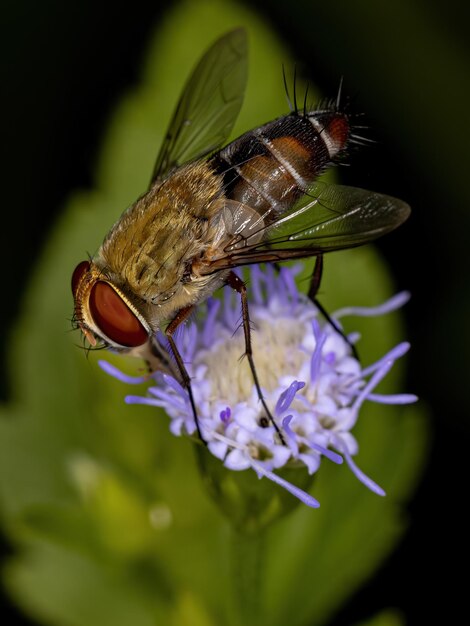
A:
{"points": [[307, 371]]}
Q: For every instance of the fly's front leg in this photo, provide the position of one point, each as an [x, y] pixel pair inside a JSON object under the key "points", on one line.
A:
{"points": [[181, 317], [312, 294], [239, 286]]}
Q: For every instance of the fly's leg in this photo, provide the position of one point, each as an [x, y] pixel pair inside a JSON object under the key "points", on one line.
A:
{"points": [[315, 281], [312, 294], [239, 286], [181, 317]]}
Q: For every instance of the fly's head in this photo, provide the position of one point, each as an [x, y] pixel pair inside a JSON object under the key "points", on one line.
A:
{"points": [[104, 313]]}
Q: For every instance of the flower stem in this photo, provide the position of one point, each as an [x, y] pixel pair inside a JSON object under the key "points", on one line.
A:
{"points": [[247, 557]]}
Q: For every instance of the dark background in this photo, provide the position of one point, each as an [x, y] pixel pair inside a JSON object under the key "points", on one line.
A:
{"points": [[63, 68]]}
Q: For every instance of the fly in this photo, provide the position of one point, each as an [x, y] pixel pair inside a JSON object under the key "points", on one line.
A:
{"points": [[210, 209]]}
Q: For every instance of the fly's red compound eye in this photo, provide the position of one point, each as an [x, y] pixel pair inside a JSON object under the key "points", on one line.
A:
{"points": [[114, 318], [78, 272]]}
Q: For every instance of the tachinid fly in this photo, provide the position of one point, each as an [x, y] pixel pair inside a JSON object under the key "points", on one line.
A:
{"points": [[207, 212]]}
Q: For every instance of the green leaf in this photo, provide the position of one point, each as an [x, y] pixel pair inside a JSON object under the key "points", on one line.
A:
{"points": [[66, 588], [107, 510]]}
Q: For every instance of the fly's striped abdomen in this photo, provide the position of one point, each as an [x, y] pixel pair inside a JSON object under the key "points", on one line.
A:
{"points": [[270, 167]]}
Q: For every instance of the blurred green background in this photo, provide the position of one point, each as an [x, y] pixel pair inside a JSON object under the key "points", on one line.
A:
{"points": [[67, 70]]}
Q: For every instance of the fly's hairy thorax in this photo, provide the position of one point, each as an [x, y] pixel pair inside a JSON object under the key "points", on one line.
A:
{"points": [[149, 250]]}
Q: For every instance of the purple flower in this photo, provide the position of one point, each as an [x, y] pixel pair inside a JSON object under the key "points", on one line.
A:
{"points": [[309, 376]]}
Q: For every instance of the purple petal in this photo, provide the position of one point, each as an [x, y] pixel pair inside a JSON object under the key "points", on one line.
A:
{"points": [[291, 438], [189, 341], [225, 415], [317, 331], [169, 399], [394, 303], [315, 362], [113, 371], [175, 385], [231, 311], [394, 354], [371, 384], [213, 307], [330, 358], [288, 279], [398, 398], [271, 282], [256, 290], [333, 456], [287, 396], [305, 497], [142, 400], [368, 482]]}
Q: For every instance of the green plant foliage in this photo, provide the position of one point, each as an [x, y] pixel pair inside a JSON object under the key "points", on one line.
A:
{"points": [[108, 513]]}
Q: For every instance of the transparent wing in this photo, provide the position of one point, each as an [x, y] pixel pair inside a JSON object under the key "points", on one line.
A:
{"points": [[326, 218], [209, 104]]}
